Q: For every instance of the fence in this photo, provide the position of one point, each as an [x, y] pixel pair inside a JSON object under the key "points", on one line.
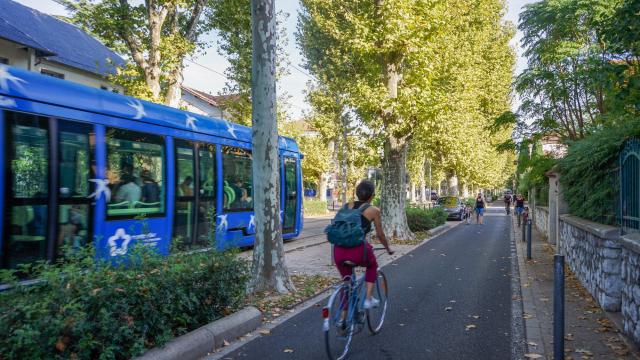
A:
{"points": [[630, 186]]}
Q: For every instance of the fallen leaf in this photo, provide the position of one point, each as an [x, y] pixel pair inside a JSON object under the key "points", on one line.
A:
{"points": [[476, 316], [225, 343], [531, 343], [288, 350], [452, 301], [584, 351], [264, 332], [448, 308], [569, 337], [532, 356], [470, 326], [401, 324]]}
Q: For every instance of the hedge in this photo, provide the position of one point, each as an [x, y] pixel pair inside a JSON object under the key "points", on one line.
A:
{"points": [[315, 207], [589, 172], [88, 309], [423, 220]]}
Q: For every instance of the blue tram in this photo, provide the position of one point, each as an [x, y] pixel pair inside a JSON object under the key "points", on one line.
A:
{"points": [[83, 164]]}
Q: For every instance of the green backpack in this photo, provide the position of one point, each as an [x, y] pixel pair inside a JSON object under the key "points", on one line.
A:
{"points": [[346, 227]]}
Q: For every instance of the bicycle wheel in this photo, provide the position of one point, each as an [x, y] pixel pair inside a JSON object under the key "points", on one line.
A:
{"points": [[375, 316], [337, 332]]}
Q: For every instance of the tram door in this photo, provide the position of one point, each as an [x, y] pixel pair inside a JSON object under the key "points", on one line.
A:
{"points": [[290, 195], [48, 170]]}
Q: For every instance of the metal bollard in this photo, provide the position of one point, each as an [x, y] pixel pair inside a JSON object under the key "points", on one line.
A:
{"points": [[558, 307], [524, 235], [528, 239]]}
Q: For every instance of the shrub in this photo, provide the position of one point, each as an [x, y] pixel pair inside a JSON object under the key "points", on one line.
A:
{"points": [[589, 172], [315, 207], [89, 309], [423, 220]]}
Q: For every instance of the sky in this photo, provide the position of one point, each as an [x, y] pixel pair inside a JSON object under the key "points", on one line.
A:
{"points": [[206, 72]]}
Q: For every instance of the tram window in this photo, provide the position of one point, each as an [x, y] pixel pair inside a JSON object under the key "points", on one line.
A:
{"points": [[207, 203], [237, 179], [29, 158], [207, 170], [290, 191], [184, 213], [74, 149], [135, 170]]}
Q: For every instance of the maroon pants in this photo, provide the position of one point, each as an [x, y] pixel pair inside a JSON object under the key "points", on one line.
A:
{"points": [[357, 255]]}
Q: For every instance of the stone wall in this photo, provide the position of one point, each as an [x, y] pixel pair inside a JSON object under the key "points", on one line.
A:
{"points": [[594, 254], [631, 285], [542, 220]]}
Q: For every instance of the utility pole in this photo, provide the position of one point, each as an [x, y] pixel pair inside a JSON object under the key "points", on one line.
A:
{"points": [[268, 268]]}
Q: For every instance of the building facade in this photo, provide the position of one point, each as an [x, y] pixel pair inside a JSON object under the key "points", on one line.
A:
{"points": [[38, 42]]}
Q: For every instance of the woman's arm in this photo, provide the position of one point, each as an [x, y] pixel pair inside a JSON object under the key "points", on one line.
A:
{"points": [[377, 221]]}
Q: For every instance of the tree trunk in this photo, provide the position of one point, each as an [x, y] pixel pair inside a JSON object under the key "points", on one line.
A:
{"points": [[322, 187], [343, 163], [174, 92], [423, 191], [393, 199], [452, 185], [268, 268], [412, 198]]}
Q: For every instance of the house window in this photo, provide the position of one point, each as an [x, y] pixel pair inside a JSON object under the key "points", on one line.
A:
{"points": [[4, 60], [52, 74]]}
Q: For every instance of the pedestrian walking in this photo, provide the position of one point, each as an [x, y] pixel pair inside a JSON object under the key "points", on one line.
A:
{"points": [[480, 206], [467, 213]]}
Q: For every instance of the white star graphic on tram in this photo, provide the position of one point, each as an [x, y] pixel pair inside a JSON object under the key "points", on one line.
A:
{"points": [[114, 249], [138, 107], [252, 222], [191, 122], [224, 224], [101, 189], [231, 129], [8, 102], [6, 78]]}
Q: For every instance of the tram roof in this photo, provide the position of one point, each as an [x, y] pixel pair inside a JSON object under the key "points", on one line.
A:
{"points": [[33, 86]]}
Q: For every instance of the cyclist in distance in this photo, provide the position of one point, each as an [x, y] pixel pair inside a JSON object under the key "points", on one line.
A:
{"points": [[507, 202], [363, 255]]}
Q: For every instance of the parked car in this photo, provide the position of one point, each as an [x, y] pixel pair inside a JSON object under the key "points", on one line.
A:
{"points": [[453, 206]]}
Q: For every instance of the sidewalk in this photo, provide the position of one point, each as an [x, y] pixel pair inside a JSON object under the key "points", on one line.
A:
{"points": [[590, 333]]}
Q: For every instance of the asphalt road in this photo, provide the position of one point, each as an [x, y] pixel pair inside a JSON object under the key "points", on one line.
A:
{"points": [[467, 269]]}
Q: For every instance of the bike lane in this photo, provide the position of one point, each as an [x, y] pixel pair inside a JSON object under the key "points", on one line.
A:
{"points": [[449, 299]]}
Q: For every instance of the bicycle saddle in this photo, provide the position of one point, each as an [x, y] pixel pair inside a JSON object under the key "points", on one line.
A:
{"points": [[348, 263]]}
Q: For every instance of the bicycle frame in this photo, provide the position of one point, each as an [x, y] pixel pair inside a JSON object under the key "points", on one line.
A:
{"points": [[356, 296]]}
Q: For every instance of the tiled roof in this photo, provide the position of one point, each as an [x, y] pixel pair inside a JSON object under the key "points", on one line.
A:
{"points": [[57, 40], [213, 100]]}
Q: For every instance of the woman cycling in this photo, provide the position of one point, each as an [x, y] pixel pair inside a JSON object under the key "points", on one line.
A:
{"points": [[363, 255]]}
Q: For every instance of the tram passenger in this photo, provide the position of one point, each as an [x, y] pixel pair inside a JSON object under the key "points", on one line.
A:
{"points": [[185, 187], [150, 188], [129, 190]]}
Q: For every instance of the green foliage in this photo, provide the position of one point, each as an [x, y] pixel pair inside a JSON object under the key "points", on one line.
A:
{"points": [[87, 309], [534, 177], [315, 207], [155, 35], [423, 220], [589, 172]]}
